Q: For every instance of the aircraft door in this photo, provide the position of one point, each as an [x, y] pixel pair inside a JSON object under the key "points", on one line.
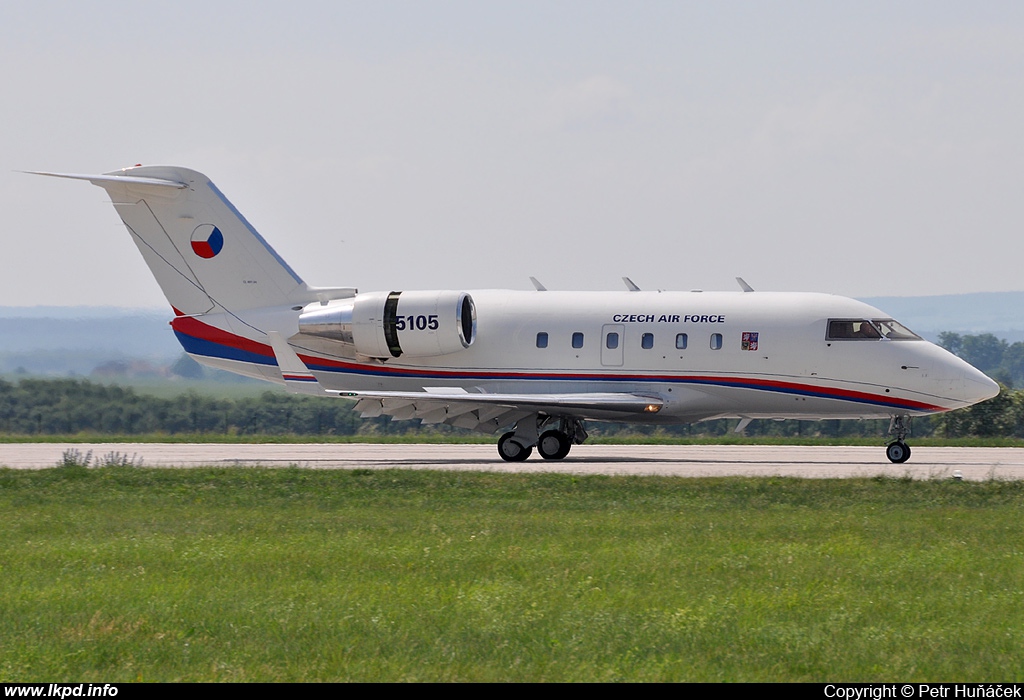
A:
{"points": [[612, 337]]}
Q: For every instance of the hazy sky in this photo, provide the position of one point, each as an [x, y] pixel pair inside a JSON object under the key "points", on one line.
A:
{"points": [[861, 148]]}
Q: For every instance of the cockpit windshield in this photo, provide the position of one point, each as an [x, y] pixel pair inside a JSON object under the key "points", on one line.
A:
{"points": [[894, 330], [868, 329]]}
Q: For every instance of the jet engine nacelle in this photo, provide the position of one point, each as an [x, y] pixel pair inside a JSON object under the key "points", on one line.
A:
{"points": [[393, 324]]}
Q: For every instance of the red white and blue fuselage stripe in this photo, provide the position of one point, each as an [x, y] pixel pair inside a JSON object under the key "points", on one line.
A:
{"points": [[199, 338]]}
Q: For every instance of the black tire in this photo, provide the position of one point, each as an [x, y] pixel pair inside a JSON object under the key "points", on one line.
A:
{"points": [[554, 445], [512, 450], [906, 453], [898, 452]]}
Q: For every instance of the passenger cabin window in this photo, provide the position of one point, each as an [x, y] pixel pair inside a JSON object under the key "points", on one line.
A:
{"points": [[611, 341], [680, 341], [542, 340], [864, 329], [577, 340], [647, 341], [716, 341]]}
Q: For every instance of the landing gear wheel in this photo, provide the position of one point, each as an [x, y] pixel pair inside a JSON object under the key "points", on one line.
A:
{"points": [[554, 444], [898, 452], [511, 450]]}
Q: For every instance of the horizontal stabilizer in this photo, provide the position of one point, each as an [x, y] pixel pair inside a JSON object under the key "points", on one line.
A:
{"points": [[123, 179]]}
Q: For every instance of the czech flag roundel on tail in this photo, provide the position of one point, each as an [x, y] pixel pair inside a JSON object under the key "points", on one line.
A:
{"points": [[207, 241]]}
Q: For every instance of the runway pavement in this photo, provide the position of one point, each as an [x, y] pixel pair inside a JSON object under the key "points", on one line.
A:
{"points": [[975, 463]]}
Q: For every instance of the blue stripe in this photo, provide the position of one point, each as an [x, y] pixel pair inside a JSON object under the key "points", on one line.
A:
{"points": [[823, 393], [198, 346], [254, 232]]}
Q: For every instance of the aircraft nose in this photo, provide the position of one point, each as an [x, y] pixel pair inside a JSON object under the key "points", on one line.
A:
{"points": [[978, 387], [959, 381]]}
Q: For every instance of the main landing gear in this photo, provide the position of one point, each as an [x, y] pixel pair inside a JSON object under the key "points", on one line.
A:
{"points": [[512, 450], [553, 438], [898, 451]]}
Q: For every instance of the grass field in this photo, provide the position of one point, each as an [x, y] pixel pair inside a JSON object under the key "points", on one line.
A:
{"points": [[251, 574]]}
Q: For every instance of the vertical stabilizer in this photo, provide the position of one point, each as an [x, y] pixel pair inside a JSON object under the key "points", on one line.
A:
{"points": [[202, 251]]}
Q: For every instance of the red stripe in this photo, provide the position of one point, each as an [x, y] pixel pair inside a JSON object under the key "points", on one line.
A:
{"points": [[196, 328]]}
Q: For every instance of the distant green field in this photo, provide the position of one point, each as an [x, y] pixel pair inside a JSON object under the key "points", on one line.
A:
{"points": [[241, 388], [275, 575]]}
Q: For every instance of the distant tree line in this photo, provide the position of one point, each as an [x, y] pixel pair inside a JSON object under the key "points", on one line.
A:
{"points": [[71, 406], [993, 356]]}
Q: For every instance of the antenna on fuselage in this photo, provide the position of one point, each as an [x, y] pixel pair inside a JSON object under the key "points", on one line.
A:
{"points": [[537, 285], [743, 285], [630, 285]]}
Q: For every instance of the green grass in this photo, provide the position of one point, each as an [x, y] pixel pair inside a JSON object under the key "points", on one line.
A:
{"points": [[253, 574]]}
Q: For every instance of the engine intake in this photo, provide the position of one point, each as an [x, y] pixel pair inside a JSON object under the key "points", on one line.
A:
{"points": [[393, 324]]}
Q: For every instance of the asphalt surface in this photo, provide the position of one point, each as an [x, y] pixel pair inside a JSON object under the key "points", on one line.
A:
{"points": [[974, 463]]}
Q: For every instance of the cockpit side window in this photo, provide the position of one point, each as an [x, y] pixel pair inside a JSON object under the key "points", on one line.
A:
{"points": [[852, 329], [864, 329]]}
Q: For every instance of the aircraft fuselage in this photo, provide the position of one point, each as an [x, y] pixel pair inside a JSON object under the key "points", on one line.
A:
{"points": [[706, 354]]}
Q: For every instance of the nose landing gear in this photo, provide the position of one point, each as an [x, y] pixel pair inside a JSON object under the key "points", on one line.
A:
{"points": [[898, 451]]}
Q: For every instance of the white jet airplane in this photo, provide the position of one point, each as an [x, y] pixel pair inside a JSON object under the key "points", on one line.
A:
{"points": [[533, 365]]}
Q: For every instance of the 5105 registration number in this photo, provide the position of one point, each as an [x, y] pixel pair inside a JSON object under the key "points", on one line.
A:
{"points": [[422, 322]]}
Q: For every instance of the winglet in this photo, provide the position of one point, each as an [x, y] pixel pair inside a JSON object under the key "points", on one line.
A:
{"points": [[297, 377]]}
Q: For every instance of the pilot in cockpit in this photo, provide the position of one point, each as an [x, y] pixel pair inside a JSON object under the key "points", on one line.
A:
{"points": [[867, 330]]}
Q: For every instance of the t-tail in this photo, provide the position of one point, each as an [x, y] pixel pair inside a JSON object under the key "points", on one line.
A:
{"points": [[204, 254]]}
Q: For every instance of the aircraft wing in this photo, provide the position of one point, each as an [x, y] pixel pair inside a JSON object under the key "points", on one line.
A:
{"points": [[490, 412], [458, 407]]}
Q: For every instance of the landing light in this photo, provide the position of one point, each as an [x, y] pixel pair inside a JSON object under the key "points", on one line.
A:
{"points": [[652, 408]]}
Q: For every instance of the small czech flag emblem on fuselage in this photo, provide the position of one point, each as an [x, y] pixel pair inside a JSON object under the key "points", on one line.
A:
{"points": [[207, 241]]}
